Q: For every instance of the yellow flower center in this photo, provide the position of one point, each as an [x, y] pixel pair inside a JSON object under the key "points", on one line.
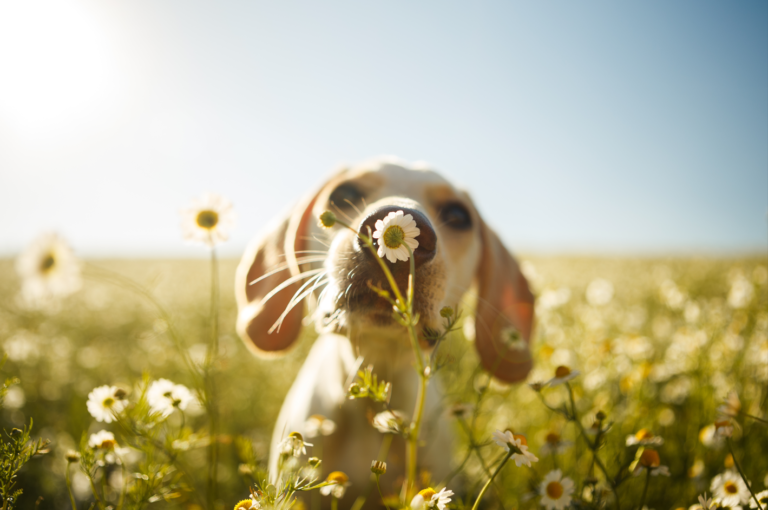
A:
{"points": [[108, 402], [296, 435], [207, 219], [523, 441], [244, 504], [731, 487], [562, 371], [643, 434], [108, 444], [338, 477], [554, 489], [553, 438], [427, 494], [47, 263], [393, 237], [650, 459]]}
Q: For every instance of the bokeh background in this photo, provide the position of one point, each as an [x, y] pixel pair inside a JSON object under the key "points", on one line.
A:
{"points": [[621, 150]]}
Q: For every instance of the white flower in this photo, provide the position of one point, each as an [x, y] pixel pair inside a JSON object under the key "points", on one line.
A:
{"points": [[650, 460], [599, 292], [318, 425], [389, 422], [103, 439], [729, 489], [163, 396], [644, 437], [517, 444], [248, 504], [337, 482], [294, 445], [48, 270], [392, 232], [554, 444], [104, 402], [705, 502], [428, 498], [209, 220], [562, 374], [556, 490], [762, 497], [724, 428]]}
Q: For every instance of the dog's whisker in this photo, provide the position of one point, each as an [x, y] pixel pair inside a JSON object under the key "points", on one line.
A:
{"points": [[353, 206], [289, 282], [302, 260], [341, 211], [301, 289], [292, 304]]}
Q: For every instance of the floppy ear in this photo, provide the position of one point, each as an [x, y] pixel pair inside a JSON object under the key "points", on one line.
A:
{"points": [[504, 304], [275, 248]]}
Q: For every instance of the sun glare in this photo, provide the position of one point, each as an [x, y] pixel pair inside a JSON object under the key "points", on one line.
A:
{"points": [[59, 74]]}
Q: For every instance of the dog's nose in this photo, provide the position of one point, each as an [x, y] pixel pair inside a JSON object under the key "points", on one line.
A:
{"points": [[427, 237]]}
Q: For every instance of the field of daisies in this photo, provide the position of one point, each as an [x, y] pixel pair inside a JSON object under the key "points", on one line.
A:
{"points": [[126, 387]]}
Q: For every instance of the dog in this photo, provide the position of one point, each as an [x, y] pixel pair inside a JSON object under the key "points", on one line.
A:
{"points": [[296, 258]]}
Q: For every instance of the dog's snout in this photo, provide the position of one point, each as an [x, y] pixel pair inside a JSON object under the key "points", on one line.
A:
{"points": [[427, 237]]}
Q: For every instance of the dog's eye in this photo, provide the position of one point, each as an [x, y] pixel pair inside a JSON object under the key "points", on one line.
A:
{"points": [[456, 216], [345, 195]]}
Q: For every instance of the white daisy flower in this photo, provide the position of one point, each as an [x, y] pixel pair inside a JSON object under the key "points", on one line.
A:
{"points": [[48, 270], [209, 220], [650, 460], [393, 232], [515, 443], [729, 489], [644, 437], [556, 490], [294, 445], [762, 497], [104, 402], [338, 482], [562, 374], [705, 502], [319, 425], [429, 499], [163, 396], [553, 443], [103, 439], [248, 504], [724, 428], [389, 422]]}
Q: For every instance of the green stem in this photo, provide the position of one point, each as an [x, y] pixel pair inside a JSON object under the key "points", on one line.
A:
{"points": [[69, 488], [413, 437], [490, 480], [645, 489], [738, 468], [380, 493], [213, 447], [334, 503]]}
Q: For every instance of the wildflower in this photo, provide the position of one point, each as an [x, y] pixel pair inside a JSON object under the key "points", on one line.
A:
{"points": [[517, 444], [729, 489], [389, 422], [327, 219], [428, 498], [644, 437], [392, 232], [319, 425], [562, 374], [511, 338], [337, 482], [731, 405], [314, 462], [724, 428], [248, 504], [378, 467], [556, 490], [553, 443], [103, 439], [209, 220], [446, 312], [163, 396], [294, 445], [104, 403], [48, 270], [72, 456], [705, 502], [762, 497], [650, 460]]}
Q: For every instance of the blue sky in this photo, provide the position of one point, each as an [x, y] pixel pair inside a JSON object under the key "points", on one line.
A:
{"points": [[578, 127]]}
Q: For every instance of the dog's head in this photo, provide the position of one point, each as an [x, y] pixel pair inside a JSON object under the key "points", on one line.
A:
{"points": [[297, 259]]}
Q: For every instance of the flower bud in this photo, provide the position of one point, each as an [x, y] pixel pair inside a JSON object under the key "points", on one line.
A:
{"points": [[314, 462], [446, 312], [378, 467], [327, 219], [72, 456]]}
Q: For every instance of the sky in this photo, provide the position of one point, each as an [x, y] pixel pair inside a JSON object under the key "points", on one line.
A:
{"points": [[592, 127]]}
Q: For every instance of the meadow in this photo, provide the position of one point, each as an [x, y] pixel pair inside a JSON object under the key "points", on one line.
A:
{"points": [[664, 349]]}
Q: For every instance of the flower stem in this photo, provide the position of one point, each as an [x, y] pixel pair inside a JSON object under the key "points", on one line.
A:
{"points": [[738, 468], [380, 493], [210, 386], [645, 489], [490, 480], [69, 488]]}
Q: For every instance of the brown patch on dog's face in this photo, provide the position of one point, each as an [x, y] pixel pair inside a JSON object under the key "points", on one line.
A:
{"points": [[348, 300]]}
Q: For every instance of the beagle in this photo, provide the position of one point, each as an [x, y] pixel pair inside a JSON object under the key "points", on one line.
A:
{"points": [[297, 259]]}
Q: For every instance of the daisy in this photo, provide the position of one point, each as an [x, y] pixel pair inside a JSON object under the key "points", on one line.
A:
{"points": [[650, 460], [644, 437], [247, 504], [562, 374], [319, 425], [762, 497], [105, 402], [428, 498], [163, 396], [337, 482], [294, 445], [729, 489], [209, 220], [48, 270], [705, 502], [556, 490], [515, 443], [393, 232], [103, 439], [389, 422], [724, 428], [553, 443]]}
